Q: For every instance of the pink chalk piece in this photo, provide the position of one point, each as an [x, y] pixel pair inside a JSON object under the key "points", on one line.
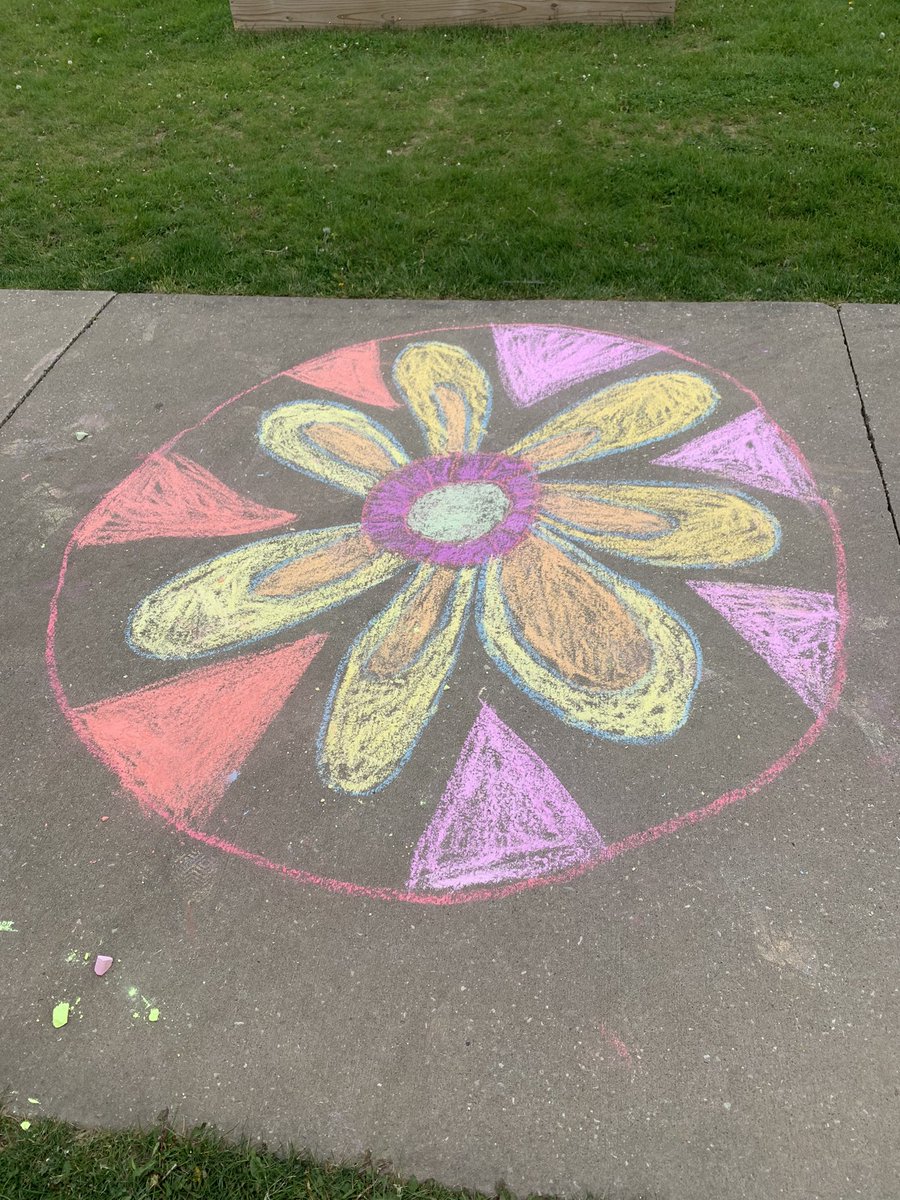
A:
{"points": [[177, 744], [794, 631], [503, 815], [750, 450], [537, 360], [354, 373], [102, 965], [172, 496]]}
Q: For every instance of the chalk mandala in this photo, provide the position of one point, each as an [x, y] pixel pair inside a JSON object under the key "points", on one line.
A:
{"points": [[442, 616]]}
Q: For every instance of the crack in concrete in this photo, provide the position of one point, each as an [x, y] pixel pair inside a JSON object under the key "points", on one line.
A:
{"points": [[869, 433], [56, 358]]}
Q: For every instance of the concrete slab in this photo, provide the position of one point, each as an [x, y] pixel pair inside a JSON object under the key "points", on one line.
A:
{"points": [[35, 329], [873, 339], [703, 1005]]}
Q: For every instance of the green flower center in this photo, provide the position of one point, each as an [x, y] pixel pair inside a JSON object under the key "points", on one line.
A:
{"points": [[458, 512]]}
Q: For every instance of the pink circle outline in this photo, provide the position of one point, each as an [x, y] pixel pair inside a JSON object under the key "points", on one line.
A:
{"points": [[632, 841]]}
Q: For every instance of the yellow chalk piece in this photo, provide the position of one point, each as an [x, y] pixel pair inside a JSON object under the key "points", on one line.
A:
{"points": [[61, 1014], [555, 661], [620, 417], [26, 1125], [223, 602], [153, 1015], [448, 392], [392, 680], [695, 526], [333, 443]]}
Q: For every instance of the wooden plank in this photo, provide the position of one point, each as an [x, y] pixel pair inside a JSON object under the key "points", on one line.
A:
{"points": [[362, 14]]}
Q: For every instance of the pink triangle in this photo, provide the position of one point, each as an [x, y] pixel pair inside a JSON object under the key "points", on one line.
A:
{"points": [[537, 360], [504, 815], [354, 372], [752, 451], [794, 631], [172, 496], [177, 745]]}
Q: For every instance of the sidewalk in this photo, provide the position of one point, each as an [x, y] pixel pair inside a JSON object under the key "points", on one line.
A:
{"points": [[573, 867]]}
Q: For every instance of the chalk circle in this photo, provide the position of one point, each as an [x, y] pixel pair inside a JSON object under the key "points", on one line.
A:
{"points": [[478, 809]]}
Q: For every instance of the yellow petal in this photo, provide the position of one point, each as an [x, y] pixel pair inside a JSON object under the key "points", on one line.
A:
{"points": [[257, 590], [392, 680], [579, 506], [593, 648], [620, 417], [331, 442], [694, 526], [448, 392]]}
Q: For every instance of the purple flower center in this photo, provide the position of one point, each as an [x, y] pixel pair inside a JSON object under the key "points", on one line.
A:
{"points": [[456, 511]]}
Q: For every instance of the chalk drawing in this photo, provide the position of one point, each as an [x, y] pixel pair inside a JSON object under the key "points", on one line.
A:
{"points": [[534, 363], [455, 511], [622, 1053], [8, 927], [391, 680], [331, 442], [683, 526], [448, 393], [588, 646], [250, 593], [175, 744], [625, 416], [354, 373], [793, 630], [170, 496], [515, 545], [504, 815], [750, 450]]}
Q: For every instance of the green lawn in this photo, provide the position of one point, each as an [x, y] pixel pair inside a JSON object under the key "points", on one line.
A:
{"points": [[149, 146], [54, 1159]]}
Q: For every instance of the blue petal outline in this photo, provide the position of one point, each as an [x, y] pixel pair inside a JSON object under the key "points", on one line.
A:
{"points": [[261, 637], [632, 445], [453, 658], [544, 702], [328, 454], [423, 428], [556, 523]]}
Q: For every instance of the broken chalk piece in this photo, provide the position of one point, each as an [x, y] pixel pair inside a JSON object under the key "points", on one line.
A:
{"points": [[26, 1125], [61, 1014], [102, 965], [33, 1100], [80, 435], [153, 1014]]}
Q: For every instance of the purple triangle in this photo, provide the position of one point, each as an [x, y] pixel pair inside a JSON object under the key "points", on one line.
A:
{"points": [[537, 360], [793, 630], [503, 816], [750, 450]]}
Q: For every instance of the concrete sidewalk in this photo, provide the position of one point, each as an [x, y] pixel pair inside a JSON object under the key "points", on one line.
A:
{"points": [[618, 914]]}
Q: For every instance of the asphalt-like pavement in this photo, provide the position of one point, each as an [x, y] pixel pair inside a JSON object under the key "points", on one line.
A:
{"points": [[470, 729]]}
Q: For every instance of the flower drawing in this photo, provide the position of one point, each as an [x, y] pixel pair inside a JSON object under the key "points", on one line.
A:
{"points": [[520, 542]]}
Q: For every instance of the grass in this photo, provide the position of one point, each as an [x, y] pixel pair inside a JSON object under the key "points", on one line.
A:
{"points": [[150, 147], [56, 1159]]}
